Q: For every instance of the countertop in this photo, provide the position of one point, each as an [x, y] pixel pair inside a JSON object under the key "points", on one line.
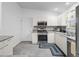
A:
{"points": [[4, 37], [70, 37], [61, 33], [35, 31], [50, 31]]}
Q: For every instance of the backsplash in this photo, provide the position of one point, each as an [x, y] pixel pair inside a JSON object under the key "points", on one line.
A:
{"points": [[53, 28]]}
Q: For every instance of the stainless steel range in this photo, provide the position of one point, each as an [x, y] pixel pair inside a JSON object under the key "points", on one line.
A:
{"points": [[42, 32]]}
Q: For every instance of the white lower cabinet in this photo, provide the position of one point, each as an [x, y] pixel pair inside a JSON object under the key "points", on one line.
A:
{"points": [[51, 37], [73, 48], [34, 38], [61, 41]]}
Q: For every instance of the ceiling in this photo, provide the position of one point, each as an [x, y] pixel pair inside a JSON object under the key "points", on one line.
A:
{"points": [[54, 7]]}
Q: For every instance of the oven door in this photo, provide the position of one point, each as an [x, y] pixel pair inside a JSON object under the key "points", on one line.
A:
{"points": [[42, 37]]}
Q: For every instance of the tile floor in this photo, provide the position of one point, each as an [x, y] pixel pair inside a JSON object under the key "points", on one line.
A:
{"points": [[27, 49]]}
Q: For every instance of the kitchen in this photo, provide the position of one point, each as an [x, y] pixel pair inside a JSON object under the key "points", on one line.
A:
{"points": [[41, 23], [56, 31]]}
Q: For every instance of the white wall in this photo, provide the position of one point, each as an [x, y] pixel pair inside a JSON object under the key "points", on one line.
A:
{"points": [[27, 29], [28, 15], [18, 22], [11, 16]]}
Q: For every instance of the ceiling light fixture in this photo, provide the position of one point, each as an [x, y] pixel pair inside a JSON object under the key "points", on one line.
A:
{"points": [[55, 9], [67, 3]]}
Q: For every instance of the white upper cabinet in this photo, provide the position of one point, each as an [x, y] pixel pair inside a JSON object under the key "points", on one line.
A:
{"points": [[71, 22], [62, 20], [52, 22], [35, 20], [38, 19], [68, 17], [42, 19]]}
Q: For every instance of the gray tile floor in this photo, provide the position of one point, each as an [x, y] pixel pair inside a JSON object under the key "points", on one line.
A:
{"points": [[27, 49]]}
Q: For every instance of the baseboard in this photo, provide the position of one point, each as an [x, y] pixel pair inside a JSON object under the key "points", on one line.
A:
{"points": [[16, 44], [20, 42]]}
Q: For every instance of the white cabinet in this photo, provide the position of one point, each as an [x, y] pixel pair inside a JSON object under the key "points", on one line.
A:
{"points": [[35, 20], [62, 20], [61, 41], [50, 37], [42, 19], [52, 22], [73, 48], [34, 38], [38, 19], [71, 22], [59, 21]]}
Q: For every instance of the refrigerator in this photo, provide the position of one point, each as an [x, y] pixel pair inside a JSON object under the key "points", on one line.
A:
{"points": [[77, 30]]}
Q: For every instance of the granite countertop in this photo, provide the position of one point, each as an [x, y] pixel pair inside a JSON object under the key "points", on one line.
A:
{"points": [[61, 33], [65, 34], [71, 38], [4, 37], [47, 31]]}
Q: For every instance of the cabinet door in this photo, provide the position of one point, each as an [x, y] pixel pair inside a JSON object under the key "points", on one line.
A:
{"points": [[38, 19], [73, 48], [42, 19], [50, 37], [52, 22], [35, 20], [62, 20], [34, 38], [61, 42], [59, 21], [68, 48]]}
